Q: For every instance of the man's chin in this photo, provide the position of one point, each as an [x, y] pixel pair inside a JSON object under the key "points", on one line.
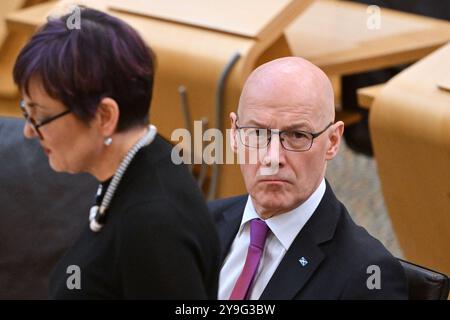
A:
{"points": [[272, 203]]}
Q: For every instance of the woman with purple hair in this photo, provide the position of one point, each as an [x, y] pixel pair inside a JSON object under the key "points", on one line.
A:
{"points": [[86, 97]]}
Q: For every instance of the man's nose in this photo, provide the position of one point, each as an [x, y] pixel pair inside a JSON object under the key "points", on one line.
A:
{"points": [[274, 154]]}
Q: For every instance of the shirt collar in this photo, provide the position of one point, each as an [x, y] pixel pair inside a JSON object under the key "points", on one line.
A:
{"points": [[286, 226]]}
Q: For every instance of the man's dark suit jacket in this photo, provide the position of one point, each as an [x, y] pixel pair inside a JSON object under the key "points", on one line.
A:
{"points": [[338, 252]]}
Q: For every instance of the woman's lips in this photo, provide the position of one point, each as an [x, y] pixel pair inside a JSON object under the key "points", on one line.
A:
{"points": [[46, 151]]}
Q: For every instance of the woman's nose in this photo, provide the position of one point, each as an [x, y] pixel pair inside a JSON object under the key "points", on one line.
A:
{"points": [[28, 131]]}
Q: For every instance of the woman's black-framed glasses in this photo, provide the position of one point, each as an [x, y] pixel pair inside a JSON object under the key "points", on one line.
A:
{"points": [[291, 140], [37, 125]]}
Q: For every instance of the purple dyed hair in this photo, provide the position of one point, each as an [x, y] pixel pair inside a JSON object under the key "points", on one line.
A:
{"points": [[79, 67]]}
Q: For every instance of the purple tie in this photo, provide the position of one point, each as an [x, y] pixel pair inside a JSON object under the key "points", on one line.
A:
{"points": [[258, 234]]}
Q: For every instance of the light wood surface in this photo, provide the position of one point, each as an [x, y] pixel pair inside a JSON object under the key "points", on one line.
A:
{"points": [[7, 7], [9, 108], [410, 129], [367, 95], [249, 18], [14, 41], [334, 36], [10, 44]]}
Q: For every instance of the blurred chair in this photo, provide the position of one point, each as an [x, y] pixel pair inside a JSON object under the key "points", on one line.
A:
{"points": [[42, 213], [425, 284]]}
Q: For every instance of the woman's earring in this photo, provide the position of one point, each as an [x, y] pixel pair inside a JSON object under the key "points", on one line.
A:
{"points": [[108, 141]]}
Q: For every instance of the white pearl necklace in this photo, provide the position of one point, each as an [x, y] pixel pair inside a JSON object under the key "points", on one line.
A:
{"points": [[97, 213]]}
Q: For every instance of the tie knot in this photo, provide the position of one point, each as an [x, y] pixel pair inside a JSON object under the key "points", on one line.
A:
{"points": [[258, 233]]}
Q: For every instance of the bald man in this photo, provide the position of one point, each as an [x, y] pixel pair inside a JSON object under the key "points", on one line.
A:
{"points": [[290, 238]]}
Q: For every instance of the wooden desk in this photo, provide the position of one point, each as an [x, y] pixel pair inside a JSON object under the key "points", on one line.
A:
{"points": [[334, 36], [410, 129], [7, 7], [10, 44], [331, 34], [250, 18], [367, 95]]}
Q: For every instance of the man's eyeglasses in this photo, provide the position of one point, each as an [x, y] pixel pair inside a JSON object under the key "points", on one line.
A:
{"points": [[37, 125], [297, 141]]}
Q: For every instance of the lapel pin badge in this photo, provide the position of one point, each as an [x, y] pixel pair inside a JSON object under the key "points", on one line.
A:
{"points": [[303, 261]]}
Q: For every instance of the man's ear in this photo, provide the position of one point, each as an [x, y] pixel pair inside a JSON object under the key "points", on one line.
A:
{"points": [[107, 116], [335, 135], [233, 132]]}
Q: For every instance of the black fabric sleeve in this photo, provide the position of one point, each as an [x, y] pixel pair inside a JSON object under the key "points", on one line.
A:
{"points": [[392, 283], [159, 254]]}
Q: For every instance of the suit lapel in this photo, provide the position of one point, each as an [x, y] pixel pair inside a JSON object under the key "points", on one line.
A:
{"points": [[228, 225], [291, 275], [305, 255]]}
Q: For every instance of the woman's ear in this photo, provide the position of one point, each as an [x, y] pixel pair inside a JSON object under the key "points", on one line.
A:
{"points": [[334, 137], [107, 116]]}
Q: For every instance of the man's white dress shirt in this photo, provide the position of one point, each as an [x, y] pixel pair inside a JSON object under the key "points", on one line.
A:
{"points": [[284, 228]]}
